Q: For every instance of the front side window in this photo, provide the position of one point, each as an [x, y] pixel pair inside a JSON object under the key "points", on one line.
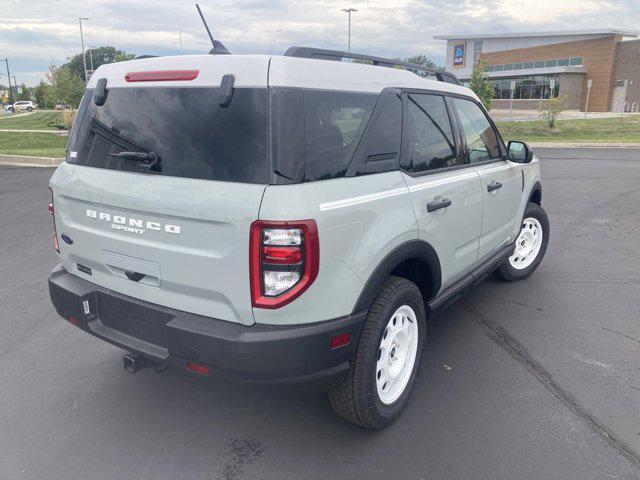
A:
{"points": [[430, 138], [482, 140]]}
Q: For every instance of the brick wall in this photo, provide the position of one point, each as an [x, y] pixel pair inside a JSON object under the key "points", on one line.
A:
{"points": [[598, 54], [571, 88], [627, 67], [501, 103]]}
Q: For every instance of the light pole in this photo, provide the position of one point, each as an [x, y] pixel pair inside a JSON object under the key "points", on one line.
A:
{"points": [[91, 56], [84, 60], [6, 60], [348, 11]]}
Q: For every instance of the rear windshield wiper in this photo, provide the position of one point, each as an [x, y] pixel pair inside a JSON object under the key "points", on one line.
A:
{"points": [[147, 159]]}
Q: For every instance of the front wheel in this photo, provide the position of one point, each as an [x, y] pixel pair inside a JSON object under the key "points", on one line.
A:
{"points": [[530, 245], [29, 109], [387, 359]]}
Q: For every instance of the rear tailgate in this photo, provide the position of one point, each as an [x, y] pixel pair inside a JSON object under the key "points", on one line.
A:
{"points": [[177, 236]]}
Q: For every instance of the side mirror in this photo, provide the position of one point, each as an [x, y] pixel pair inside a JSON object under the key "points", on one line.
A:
{"points": [[519, 152]]}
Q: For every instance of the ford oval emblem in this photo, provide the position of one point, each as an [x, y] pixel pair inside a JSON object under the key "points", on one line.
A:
{"points": [[66, 239]]}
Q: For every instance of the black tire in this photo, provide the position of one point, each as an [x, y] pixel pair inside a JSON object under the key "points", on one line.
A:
{"points": [[506, 271], [29, 109], [356, 398]]}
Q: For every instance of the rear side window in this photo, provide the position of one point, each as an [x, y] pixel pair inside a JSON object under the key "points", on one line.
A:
{"points": [[482, 140], [316, 132], [186, 127], [431, 143]]}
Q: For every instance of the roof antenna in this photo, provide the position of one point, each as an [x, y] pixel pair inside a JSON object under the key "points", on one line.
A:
{"points": [[218, 47]]}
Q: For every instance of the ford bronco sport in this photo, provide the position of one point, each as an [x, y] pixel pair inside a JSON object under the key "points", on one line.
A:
{"points": [[286, 219]]}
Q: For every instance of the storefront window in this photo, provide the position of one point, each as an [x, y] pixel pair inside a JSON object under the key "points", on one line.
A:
{"points": [[531, 87], [555, 62]]}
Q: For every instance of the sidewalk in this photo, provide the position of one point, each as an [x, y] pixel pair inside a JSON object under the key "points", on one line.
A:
{"points": [[582, 145], [33, 131], [502, 115], [24, 161]]}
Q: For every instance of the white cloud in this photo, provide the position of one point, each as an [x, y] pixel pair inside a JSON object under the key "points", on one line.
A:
{"points": [[30, 34]]}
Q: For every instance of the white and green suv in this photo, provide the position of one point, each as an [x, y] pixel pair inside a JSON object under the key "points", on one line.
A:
{"points": [[286, 219]]}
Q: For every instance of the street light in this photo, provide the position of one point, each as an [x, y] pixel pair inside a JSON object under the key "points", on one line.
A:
{"points": [[6, 60], [348, 11], [84, 60]]}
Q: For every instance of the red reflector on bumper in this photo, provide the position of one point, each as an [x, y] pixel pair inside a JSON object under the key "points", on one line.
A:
{"points": [[340, 340], [74, 321], [198, 368]]}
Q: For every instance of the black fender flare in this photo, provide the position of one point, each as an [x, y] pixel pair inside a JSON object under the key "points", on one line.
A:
{"points": [[537, 188], [412, 249]]}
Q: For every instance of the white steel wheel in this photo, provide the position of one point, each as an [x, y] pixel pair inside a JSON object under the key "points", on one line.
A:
{"points": [[527, 245], [397, 354]]}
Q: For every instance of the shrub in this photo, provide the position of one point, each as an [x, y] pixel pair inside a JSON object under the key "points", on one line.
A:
{"points": [[68, 116], [550, 109]]}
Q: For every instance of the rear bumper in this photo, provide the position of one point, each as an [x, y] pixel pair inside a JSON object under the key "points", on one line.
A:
{"points": [[263, 354]]}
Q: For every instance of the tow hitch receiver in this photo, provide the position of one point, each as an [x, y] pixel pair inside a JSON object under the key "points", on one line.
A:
{"points": [[134, 363]]}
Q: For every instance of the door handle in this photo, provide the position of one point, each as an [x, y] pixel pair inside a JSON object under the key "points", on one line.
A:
{"points": [[495, 185], [438, 204]]}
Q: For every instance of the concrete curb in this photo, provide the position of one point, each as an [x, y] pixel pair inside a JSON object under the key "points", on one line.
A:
{"points": [[582, 145], [25, 161]]}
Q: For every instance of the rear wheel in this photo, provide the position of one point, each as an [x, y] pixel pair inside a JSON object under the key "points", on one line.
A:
{"points": [[530, 246], [387, 359], [29, 109]]}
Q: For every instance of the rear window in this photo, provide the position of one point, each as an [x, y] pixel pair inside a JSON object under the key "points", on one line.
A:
{"points": [[316, 132], [189, 131]]}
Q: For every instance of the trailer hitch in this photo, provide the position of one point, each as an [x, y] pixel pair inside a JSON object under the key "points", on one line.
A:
{"points": [[133, 363]]}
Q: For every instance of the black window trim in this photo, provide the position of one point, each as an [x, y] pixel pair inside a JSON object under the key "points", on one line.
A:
{"points": [[501, 145], [454, 129], [461, 144], [355, 163]]}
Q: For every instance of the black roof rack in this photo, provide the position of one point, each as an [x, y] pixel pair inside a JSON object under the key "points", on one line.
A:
{"points": [[337, 55]]}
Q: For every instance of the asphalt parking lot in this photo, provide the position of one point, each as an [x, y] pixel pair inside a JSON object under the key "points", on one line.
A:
{"points": [[532, 380]]}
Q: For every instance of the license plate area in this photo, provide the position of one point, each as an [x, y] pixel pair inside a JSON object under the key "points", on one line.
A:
{"points": [[134, 319]]}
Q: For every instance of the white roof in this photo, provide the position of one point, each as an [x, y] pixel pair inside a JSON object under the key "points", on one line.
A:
{"points": [[253, 70], [554, 33]]}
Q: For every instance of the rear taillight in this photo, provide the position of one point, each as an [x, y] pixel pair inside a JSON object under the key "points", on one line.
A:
{"points": [[284, 258], [56, 245]]}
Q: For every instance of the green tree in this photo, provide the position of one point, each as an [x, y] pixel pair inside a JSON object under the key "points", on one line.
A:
{"points": [[25, 92], [481, 85], [100, 55], [66, 87], [41, 94], [422, 60]]}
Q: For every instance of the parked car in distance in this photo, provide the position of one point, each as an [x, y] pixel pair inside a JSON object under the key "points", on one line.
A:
{"points": [[62, 106], [286, 219], [24, 106]]}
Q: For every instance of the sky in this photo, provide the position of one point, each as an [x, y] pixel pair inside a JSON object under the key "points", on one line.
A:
{"points": [[34, 33]]}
